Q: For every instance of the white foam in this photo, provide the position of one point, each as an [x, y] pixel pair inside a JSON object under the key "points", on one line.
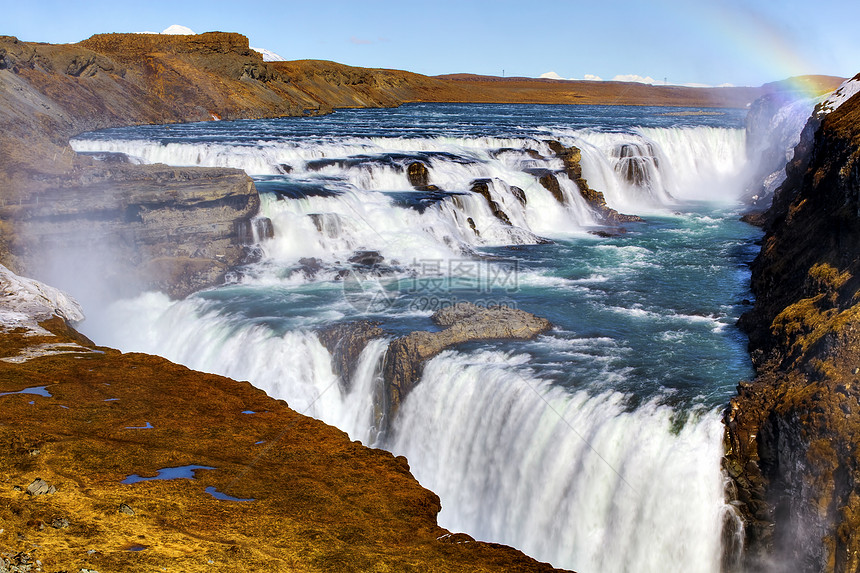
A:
{"points": [[614, 478]]}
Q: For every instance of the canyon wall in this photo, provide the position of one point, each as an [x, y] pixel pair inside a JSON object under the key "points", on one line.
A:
{"points": [[793, 432], [145, 226]]}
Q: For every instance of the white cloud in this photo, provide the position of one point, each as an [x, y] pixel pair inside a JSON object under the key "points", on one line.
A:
{"points": [[588, 77], [176, 29], [634, 78], [551, 76], [360, 41]]}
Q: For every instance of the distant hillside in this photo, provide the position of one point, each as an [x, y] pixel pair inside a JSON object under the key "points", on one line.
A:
{"points": [[492, 89]]}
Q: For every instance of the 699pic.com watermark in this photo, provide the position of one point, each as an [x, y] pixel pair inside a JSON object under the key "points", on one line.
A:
{"points": [[433, 284]]}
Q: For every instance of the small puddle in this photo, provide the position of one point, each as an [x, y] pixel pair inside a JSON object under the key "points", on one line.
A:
{"points": [[148, 426], [136, 547], [180, 472], [248, 412], [37, 390], [223, 496]]}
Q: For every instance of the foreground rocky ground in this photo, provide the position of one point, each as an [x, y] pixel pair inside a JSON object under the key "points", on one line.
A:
{"points": [[83, 430]]}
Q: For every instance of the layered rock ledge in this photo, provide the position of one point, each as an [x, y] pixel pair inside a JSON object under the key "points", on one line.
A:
{"points": [[176, 230], [406, 355], [793, 434], [463, 322]]}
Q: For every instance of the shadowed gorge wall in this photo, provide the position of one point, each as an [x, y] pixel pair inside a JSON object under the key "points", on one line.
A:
{"points": [[792, 434]]}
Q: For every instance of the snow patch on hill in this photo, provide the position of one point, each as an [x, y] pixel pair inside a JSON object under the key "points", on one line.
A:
{"points": [[839, 96], [268, 55]]}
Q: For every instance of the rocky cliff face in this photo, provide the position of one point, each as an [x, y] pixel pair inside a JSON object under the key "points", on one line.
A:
{"points": [[177, 230], [793, 433]]}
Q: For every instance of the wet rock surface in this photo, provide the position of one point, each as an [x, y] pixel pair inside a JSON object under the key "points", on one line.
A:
{"points": [[345, 342], [482, 188], [571, 157], [793, 433], [463, 322]]}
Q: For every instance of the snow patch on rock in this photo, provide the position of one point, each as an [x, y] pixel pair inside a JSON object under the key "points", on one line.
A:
{"points": [[269, 55], [839, 96], [26, 302]]}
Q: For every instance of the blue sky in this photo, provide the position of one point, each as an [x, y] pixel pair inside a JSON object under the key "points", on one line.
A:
{"points": [[683, 42]]}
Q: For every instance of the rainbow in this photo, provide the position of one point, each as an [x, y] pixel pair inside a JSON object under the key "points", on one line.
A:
{"points": [[745, 34]]}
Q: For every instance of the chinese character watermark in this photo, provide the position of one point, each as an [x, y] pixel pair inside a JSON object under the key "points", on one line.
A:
{"points": [[435, 283]]}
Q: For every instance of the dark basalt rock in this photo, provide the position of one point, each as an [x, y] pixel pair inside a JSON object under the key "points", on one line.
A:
{"points": [[550, 182], [421, 199], [472, 225], [345, 342], [320, 164], [482, 188], [418, 174], [255, 230], [329, 224], [572, 156], [366, 258], [519, 194], [609, 233], [634, 161], [310, 266]]}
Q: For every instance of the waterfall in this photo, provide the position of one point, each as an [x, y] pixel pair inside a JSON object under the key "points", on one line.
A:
{"points": [[652, 169], [328, 198], [558, 449], [498, 443], [501, 446]]}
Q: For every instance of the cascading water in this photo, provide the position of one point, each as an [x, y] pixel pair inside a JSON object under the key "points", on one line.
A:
{"points": [[596, 446], [613, 478]]}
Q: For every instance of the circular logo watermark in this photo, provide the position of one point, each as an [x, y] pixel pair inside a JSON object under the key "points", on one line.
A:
{"points": [[370, 290]]}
